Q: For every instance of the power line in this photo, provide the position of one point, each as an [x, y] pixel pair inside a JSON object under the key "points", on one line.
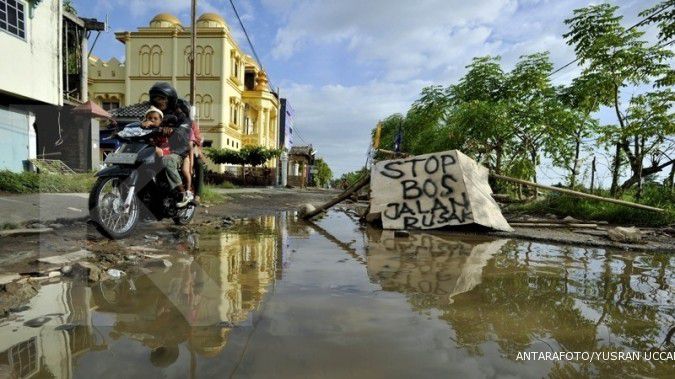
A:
{"points": [[250, 43], [644, 20], [297, 132]]}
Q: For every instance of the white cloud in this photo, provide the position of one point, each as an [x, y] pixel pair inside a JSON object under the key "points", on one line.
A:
{"points": [[408, 38], [338, 119]]}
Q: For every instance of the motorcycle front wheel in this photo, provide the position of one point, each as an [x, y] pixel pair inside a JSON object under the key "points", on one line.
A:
{"points": [[106, 208]]}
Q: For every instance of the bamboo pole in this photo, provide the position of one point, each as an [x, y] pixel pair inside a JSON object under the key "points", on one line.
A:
{"points": [[576, 193], [344, 195]]}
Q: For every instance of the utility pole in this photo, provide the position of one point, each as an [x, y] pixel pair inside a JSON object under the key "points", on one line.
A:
{"points": [[193, 73]]}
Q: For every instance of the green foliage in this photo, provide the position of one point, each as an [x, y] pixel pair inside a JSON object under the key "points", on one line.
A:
{"points": [[509, 121], [663, 15], [323, 173], [616, 57], [209, 195], [350, 178], [247, 155], [31, 182]]}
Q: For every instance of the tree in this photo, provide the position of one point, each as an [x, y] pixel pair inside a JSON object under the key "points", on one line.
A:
{"points": [[349, 178], [478, 121], [582, 99], [323, 173], [541, 122], [619, 57], [663, 15], [247, 155]]}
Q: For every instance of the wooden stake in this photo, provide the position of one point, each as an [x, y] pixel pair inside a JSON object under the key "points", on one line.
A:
{"points": [[576, 193], [343, 196]]}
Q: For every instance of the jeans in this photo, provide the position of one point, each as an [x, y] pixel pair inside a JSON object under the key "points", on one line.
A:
{"points": [[172, 164]]}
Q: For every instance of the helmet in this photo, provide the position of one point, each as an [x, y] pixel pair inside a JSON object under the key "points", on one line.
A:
{"points": [[164, 88]]}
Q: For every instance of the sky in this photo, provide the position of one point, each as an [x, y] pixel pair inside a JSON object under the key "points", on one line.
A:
{"points": [[343, 65]]}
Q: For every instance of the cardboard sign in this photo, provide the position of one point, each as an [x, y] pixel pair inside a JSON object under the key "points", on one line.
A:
{"points": [[434, 190]]}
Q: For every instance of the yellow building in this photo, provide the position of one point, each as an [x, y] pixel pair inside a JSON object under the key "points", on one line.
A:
{"points": [[235, 105]]}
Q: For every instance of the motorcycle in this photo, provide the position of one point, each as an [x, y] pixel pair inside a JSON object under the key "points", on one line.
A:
{"points": [[129, 189]]}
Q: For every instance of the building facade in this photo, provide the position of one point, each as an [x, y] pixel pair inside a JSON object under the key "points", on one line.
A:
{"points": [[234, 102], [44, 77]]}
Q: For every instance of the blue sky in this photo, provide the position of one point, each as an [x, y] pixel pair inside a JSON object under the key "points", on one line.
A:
{"points": [[345, 64]]}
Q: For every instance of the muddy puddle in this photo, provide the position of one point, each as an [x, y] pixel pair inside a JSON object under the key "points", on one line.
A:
{"points": [[273, 297]]}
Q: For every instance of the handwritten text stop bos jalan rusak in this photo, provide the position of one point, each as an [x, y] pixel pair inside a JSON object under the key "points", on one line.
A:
{"points": [[431, 193]]}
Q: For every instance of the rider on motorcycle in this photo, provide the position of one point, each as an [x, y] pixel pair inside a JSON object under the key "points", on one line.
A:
{"points": [[177, 128]]}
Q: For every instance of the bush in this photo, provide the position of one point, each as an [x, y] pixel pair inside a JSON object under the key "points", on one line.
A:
{"points": [[211, 196], [586, 209], [31, 182]]}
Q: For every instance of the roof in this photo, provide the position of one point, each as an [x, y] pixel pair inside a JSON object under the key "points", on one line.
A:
{"points": [[91, 109], [302, 150], [213, 17], [166, 18], [132, 111]]}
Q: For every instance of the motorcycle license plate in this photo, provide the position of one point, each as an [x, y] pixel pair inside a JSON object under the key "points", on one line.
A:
{"points": [[121, 158]]}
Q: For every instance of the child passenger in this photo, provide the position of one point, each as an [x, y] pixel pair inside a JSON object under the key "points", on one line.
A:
{"points": [[153, 119]]}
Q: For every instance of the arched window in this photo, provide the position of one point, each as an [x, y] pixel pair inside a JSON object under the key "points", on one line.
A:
{"points": [[187, 60], [156, 59], [207, 103], [144, 60], [208, 61]]}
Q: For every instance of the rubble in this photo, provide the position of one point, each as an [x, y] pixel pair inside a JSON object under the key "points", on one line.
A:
{"points": [[115, 274], [305, 209], [16, 292], [158, 262], [88, 270], [623, 234], [67, 258], [37, 322], [24, 231]]}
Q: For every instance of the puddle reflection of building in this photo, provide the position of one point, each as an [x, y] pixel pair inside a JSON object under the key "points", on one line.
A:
{"points": [[49, 350], [198, 301], [430, 269]]}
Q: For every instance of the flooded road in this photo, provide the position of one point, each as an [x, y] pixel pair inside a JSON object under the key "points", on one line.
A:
{"points": [[274, 297]]}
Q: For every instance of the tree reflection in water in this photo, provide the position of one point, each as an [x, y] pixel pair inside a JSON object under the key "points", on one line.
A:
{"points": [[532, 297]]}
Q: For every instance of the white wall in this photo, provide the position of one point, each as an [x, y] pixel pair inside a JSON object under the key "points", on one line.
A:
{"points": [[30, 68]]}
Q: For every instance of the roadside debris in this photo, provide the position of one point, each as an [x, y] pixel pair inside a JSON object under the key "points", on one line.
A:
{"points": [[88, 270], [15, 292], [623, 234], [24, 231], [306, 209], [37, 322], [68, 258], [158, 262], [115, 273]]}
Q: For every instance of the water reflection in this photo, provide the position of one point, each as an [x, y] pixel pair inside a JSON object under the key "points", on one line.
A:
{"points": [[195, 303], [532, 297], [430, 269], [274, 296]]}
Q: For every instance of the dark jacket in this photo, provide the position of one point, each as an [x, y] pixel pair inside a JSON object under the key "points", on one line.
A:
{"points": [[182, 126]]}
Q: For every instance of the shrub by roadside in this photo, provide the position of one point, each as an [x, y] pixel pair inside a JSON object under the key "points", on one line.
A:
{"points": [[31, 182], [211, 196], [585, 209]]}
